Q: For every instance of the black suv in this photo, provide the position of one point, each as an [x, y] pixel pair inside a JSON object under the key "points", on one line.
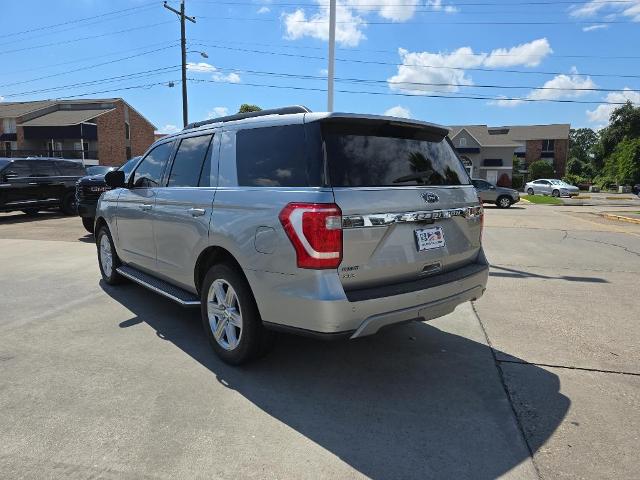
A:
{"points": [[33, 184], [89, 189]]}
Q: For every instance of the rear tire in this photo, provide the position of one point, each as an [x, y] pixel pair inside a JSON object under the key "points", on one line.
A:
{"points": [[530, 191], [108, 260], [555, 193], [87, 223], [230, 316], [504, 202], [31, 212], [68, 206]]}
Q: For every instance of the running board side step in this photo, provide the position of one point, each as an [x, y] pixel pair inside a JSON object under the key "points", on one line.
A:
{"points": [[177, 294]]}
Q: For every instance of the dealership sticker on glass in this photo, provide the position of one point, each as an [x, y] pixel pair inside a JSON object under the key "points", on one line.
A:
{"points": [[429, 238]]}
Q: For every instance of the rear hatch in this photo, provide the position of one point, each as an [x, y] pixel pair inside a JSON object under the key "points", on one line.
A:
{"points": [[409, 209]]}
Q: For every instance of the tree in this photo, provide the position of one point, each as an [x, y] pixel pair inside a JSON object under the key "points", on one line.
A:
{"points": [[247, 107], [581, 144], [540, 169], [575, 166], [624, 163], [624, 122]]}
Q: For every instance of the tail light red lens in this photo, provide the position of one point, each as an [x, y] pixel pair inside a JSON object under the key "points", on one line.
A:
{"points": [[315, 230]]}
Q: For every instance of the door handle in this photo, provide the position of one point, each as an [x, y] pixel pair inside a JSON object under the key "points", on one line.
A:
{"points": [[196, 212], [33, 183], [145, 207]]}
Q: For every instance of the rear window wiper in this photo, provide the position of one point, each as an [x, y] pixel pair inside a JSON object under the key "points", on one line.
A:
{"points": [[415, 176]]}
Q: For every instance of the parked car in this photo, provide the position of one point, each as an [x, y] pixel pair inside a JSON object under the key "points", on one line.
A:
{"points": [[636, 189], [89, 189], [34, 184], [99, 169], [503, 197], [325, 224], [551, 186]]}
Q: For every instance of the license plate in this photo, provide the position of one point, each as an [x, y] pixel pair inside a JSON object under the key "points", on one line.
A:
{"points": [[429, 238]]}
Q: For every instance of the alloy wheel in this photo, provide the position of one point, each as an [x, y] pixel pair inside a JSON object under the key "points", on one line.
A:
{"points": [[224, 313], [106, 257]]}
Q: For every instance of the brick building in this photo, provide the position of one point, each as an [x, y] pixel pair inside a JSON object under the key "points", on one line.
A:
{"points": [[488, 152], [102, 131]]}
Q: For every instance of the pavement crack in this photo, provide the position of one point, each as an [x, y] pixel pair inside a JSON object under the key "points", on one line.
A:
{"points": [[569, 367], [626, 249], [506, 392]]}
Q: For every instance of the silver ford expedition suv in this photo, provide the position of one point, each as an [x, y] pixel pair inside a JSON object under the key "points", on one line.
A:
{"points": [[326, 224]]}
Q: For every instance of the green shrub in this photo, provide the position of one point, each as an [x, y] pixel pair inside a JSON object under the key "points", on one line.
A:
{"points": [[575, 167], [540, 169], [517, 182]]}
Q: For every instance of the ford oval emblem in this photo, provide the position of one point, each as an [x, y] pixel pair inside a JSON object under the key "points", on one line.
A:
{"points": [[429, 197]]}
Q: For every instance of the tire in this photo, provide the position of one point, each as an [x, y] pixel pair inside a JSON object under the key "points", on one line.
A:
{"points": [[31, 212], [87, 223], [104, 242], [530, 191], [504, 202], [242, 336], [555, 193], [68, 205]]}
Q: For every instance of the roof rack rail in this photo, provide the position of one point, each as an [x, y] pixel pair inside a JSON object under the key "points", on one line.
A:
{"points": [[260, 113]]}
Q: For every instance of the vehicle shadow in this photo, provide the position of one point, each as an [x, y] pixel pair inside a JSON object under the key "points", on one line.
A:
{"points": [[495, 207], [20, 217], [513, 273], [412, 402]]}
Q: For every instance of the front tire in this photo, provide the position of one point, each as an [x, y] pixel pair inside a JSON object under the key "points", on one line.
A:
{"points": [[530, 191], [504, 202], [87, 223], [108, 260], [68, 206], [555, 193], [230, 316]]}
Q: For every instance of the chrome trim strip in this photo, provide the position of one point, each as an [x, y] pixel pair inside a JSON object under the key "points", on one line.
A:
{"points": [[383, 219], [157, 290]]}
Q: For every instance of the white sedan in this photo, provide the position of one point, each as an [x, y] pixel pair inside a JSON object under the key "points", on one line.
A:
{"points": [[551, 186]]}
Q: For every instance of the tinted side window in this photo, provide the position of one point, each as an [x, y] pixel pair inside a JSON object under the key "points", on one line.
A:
{"points": [[187, 164], [275, 157], [17, 169], [71, 169], [149, 171], [43, 168]]}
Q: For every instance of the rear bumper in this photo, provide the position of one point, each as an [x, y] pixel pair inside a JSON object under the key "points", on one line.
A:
{"points": [[320, 307]]}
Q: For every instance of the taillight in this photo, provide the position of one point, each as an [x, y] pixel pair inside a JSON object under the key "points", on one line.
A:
{"points": [[481, 219], [315, 230]]}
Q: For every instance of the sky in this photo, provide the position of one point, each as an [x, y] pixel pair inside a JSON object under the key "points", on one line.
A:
{"points": [[452, 62]]}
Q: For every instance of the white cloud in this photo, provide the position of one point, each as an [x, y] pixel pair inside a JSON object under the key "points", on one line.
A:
{"points": [[398, 111], [438, 6], [230, 78], [629, 9], [445, 72], [324, 72], [1, 98], [527, 54], [505, 102], [262, 10], [201, 67], [348, 27], [218, 112], [564, 86], [591, 28], [601, 113], [169, 129]]}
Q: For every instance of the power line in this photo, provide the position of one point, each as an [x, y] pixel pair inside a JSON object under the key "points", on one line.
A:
{"points": [[87, 67], [133, 87], [453, 4], [90, 37], [375, 62], [462, 97]]}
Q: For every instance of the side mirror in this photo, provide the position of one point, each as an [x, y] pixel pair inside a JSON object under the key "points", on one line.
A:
{"points": [[492, 187], [115, 179]]}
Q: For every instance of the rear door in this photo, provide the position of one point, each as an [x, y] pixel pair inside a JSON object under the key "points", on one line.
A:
{"points": [[183, 208], [18, 189], [45, 174], [405, 198]]}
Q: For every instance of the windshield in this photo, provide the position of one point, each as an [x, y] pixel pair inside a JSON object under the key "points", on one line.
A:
{"points": [[381, 154], [98, 169], [127, 167]]}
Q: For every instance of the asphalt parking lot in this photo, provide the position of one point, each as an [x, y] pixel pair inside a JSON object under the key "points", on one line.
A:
{"points": [[538, 379]]}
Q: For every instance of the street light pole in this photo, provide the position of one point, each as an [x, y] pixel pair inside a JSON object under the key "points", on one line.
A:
{"points": [[183, 47], [332, 54]]}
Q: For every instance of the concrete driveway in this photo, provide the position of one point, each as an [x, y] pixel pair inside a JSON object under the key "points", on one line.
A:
{"points": [[539, 379]]}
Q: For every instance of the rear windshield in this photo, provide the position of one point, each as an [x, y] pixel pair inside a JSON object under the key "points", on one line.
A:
{"points": [[383, 154]]}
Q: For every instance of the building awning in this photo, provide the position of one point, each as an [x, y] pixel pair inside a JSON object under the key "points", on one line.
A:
{"points": [[65, 118]]}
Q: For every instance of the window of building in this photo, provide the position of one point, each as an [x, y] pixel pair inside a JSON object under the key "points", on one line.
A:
{"points": [[462, 142], [274, 157], [188, 162], [492, 162], [149, 171], [9, 125], [127, 131], [548, 145]]}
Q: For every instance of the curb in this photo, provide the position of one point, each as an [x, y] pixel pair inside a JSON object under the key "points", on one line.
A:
{"points": [[621, 218], [525, 200]]}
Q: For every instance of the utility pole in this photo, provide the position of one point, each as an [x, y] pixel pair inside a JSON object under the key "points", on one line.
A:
{"points": [[183, 46], [332, 53]]}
